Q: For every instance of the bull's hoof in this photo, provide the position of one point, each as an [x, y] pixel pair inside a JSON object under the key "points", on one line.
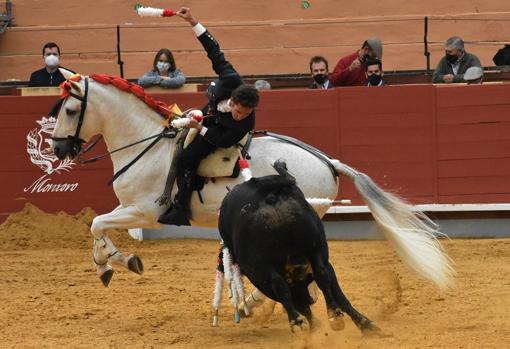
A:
{"points": [[135, 264], [368, 327], [336, 320], [299, 326], [106, 277]]}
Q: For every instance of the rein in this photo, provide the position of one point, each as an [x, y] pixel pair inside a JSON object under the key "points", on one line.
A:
{"points": [[164, 134]]}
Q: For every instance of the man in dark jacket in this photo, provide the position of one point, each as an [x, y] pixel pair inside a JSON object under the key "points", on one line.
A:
{"points": [[230, 117], [456, 61], [374, 72], [319, 70], [502, 57], [49, 75]]}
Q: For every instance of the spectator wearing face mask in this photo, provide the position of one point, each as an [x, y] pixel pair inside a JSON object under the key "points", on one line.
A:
{"points": [[456, 61], [319, 70], [164, 72], [374, 72], [49, 75], [349, 70]]}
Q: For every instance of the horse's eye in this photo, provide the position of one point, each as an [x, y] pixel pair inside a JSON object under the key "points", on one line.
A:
{"points": [[71, 112]]}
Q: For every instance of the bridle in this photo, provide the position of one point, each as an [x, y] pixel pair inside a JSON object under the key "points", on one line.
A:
{"points": [[74, 142]]}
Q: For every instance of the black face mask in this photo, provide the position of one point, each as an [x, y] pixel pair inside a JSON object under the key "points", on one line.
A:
{"points": [[320, 78], [374, 79], [451, 58]]}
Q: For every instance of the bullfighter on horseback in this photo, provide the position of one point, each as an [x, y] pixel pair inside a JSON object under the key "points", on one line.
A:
{"points": [[230, 117]]}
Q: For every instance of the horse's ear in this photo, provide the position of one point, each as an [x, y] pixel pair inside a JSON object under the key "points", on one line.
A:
{"points": [[75, 86], [67, 73]]}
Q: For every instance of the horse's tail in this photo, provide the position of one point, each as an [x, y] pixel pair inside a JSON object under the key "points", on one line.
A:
{"points": [[411, 233]]}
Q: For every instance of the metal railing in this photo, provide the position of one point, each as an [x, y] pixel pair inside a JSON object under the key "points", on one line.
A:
{"points": [[6, 18]]}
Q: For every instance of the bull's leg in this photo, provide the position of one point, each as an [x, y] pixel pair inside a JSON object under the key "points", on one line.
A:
{"points": [[302, 300], [104, 251], [283, 295], [361, 321], [324, 280]]}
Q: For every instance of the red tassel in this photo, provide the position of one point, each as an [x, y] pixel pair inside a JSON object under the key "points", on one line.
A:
{"points": [[198, 118]]}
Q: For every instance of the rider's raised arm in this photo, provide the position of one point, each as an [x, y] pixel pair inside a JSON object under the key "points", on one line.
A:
{"points": [[221, 66]]}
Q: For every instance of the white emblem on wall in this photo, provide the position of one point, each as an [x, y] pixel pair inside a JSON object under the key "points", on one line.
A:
{"points": [[41, 155], [39, 148]]}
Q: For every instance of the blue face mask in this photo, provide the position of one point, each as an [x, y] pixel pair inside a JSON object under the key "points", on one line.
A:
{"points": [[163, 66]]}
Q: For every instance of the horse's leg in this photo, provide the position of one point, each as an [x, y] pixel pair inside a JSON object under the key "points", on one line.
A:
{"points": [[361, 321], [255, 299], [104, 250]]}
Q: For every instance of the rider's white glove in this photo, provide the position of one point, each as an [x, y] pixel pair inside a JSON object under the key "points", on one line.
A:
{"points": [[183, 122]]}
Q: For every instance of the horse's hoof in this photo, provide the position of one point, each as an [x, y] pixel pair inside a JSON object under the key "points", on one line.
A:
{"points": [[299, 326], [106, 277], [336, 320], [244, 310], [135, 264]]}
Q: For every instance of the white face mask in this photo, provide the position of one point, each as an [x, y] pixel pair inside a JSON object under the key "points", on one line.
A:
{"points": [[51, 61], [163, 66]]}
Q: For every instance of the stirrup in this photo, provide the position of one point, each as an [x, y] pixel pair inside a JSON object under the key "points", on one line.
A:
{"points": [[175, 215]]}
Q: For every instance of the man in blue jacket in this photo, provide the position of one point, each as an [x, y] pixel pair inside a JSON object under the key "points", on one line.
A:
{"points": [[230, 116]]}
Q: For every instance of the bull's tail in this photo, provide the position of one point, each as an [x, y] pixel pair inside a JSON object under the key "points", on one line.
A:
{"points": [[411, 233]]}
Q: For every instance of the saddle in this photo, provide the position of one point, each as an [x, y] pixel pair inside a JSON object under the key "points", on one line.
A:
{"points": [[223, 162]]}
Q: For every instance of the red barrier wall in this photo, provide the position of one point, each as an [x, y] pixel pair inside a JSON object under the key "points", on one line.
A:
{"points": [[429, 144]]}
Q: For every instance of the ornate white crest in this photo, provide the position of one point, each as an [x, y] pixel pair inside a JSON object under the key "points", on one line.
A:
{"points": [[39, 148]]}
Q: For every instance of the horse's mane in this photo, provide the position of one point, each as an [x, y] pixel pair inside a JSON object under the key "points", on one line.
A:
{"points": [[122, 84]]}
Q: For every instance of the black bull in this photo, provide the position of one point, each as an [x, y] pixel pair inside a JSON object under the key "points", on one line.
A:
{"points": [[278, 241]]}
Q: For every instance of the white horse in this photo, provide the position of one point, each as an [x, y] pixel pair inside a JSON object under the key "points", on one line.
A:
{"points": [[122, 118]]}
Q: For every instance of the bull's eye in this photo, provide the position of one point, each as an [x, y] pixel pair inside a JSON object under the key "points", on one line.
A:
{"points": [[71, 112]]}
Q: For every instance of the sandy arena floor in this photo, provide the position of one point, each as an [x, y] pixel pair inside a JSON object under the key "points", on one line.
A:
{"points": [[51, 298]]}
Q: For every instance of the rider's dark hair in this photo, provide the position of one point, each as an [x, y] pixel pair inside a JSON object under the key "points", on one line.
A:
{"points": [[50, 45], [170, 57], [245, 95]]}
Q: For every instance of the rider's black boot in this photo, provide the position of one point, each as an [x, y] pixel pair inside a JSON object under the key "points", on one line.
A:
{"points": [[179, 213]]}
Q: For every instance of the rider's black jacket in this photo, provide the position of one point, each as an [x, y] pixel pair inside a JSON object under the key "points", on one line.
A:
{"points": [[223, 131]]}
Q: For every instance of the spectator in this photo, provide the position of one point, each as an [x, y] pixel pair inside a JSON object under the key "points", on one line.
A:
{"points": [[164, 73], [49, 75], [319, 70], [374, 72], [349, 70], [453, 65], [502, 57], [474, 76], [262, 85]]}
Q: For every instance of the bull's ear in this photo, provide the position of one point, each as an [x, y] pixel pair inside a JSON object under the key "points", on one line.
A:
{"points": [[67, 74]]}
